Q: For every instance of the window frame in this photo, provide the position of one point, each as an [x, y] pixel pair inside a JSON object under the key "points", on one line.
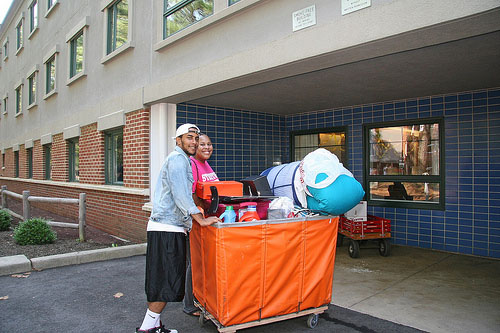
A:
{"points": [[105, 8], [19, 99], [48, 77], [80, 30], [47, 161], [73, 71], [440, 179], [112, 20], [16, 164], [32, 79], [20, 34], [51, 4], [5, 49], [72, 156], [50, 57], [5, 103], [34, 12], [344, 129], [29, 162], [232, 2], [167, 12], [110, 157]]}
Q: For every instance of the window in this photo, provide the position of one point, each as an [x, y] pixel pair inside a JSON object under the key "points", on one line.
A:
{"points": [[232, 2], [5, 49], [50, 75], [47, 150], [404, 161], [3, 160], [19, 99], [114, 157], [19, 35], [332, 139], [16, 164], [33, 16], [76, 54], [118, 25], [179, 14], [32, 89], [4, 105], [51, 4], [29, 161], [74, 161]]}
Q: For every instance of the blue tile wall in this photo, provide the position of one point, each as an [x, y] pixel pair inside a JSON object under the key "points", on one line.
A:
{"points": [[248, 142], [245, 142]]}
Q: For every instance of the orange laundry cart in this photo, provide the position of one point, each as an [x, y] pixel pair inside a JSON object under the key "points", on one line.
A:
{"points": [[251, 273]]}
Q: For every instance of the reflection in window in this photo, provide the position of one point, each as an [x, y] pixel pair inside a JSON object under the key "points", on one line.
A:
{"points": [[29, 161], [33, 15], [50, 71], [117, 25], [19, 35], [179, 14], [32, 89], [16, 164], [19, 99], [114, 157], [74, 160], [404, 164], [76, 54], [232, 2], [333, 140], [405, 150], [47, 152]]}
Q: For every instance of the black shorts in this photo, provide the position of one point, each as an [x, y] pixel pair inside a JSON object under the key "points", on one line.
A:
{"points": [[165, 266]]}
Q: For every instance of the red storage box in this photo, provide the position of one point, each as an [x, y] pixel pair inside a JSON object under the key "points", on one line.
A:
{"points": [[249, 271], [224, 188], [373, 225]]}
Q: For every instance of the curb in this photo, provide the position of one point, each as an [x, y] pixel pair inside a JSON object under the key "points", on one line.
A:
{"points": [[20, 264]]}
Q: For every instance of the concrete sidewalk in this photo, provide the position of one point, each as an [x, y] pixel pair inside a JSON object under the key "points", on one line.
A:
{"points": [[430, 290], [19, 263]]}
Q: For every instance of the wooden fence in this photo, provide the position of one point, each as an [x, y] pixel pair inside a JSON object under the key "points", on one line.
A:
{"points": [[27, 199]]}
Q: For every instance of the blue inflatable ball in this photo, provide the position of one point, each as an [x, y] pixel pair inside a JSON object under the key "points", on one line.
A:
{"points": [[338, 197]]}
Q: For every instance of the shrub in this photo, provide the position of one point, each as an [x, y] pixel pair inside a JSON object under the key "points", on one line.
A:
{"points": [[34, 231], [5, 220]]}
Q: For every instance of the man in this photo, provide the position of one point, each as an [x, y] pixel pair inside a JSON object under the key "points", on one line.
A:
{"points": [[171, 218]]}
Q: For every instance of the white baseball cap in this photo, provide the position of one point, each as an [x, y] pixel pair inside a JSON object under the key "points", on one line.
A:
{"points": [[186, 128]]}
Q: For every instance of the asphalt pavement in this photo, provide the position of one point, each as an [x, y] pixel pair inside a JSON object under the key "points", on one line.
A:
{"points": [[108, 296]]}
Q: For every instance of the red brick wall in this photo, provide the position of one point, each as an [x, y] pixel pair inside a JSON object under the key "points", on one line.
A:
{"points": [[91, 155], [119, 214], [136, 149], [37, 160], [59, 158]]}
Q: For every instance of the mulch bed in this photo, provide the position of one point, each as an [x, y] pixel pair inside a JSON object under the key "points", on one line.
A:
{"points": [[67, 238]]}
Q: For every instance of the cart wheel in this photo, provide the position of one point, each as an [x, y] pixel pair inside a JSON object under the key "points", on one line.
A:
{"points": [[202, 320], [312, 320], [340, 240], [353, 248], [384, 247]]}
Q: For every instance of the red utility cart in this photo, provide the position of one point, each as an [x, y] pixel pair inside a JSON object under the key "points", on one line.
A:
{"points": [[374, 228]]}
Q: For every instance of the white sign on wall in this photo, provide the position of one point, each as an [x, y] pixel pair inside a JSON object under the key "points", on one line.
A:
{"points": [[349, 6], [304, 18]]}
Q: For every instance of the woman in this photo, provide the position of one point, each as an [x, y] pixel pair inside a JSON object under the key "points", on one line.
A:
{"points": [[202, 172]]}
